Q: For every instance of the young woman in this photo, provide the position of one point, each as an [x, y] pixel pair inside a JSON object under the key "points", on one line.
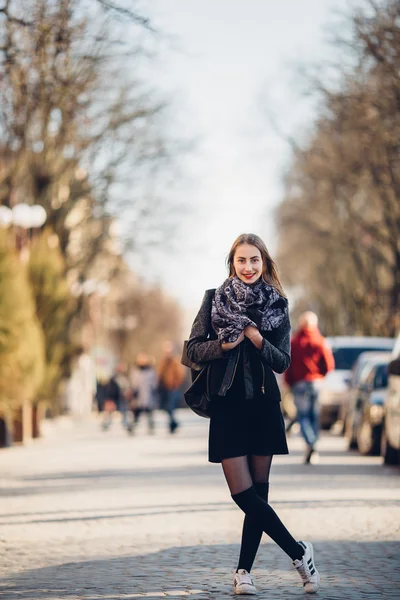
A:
{"points": [[243, 329]]}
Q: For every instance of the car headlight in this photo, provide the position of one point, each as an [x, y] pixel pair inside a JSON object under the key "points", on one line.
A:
{"points": [[376, 414]]}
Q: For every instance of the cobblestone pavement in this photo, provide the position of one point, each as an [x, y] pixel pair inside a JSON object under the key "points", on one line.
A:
{"points": [[88, 514]]}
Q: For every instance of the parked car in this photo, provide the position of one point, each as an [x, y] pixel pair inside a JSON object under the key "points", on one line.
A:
{"points": [[359, 372], [334, 386], [391, 429], [365, 417]]}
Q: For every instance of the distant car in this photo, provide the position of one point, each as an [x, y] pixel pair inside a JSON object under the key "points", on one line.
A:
{"points": [[391, 430], [360, 371], [334, 387], [365, 418]]}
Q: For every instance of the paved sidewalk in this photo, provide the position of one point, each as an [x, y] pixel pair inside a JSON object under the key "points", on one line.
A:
{"points": [[87, 514]]}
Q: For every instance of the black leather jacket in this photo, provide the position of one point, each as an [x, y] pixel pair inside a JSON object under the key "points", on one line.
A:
{"points": [[204, 346]]}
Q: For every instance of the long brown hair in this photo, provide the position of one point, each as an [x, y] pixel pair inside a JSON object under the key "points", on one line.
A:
{"points": [[269, 269]]}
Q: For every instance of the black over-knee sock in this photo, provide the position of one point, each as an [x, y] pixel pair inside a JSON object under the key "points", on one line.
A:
{"points": [[251, 533], [261, 512]]}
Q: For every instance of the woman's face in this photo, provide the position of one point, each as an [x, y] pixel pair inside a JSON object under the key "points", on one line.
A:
{"points": [[247, 262]]}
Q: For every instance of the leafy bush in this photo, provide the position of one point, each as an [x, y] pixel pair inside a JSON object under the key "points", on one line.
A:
{"points": [[21, 336]]}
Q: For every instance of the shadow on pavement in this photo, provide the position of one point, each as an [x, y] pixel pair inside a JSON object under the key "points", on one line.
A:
{"points": [[329, 475], [350, 570], [165, 509], [168, 509]]}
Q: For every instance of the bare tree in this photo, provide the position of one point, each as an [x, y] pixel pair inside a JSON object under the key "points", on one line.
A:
{"points": [[340, 219], [76, 121]]}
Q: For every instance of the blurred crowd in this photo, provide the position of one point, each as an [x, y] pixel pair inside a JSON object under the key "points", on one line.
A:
{"points": [[134, 391]]}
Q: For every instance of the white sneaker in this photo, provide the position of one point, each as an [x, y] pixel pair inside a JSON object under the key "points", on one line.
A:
{"points": [[307, 569], [243, 583]]}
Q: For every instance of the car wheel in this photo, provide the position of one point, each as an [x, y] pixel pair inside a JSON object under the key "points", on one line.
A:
{"points": [[390, 454], [367, 440], [348, 432]]}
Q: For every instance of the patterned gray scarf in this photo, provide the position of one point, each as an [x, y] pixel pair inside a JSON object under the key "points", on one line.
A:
{"points": [[236, 305]]}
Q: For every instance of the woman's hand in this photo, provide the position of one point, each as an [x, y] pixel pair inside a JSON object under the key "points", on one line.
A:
{"points": [[230, 345], [254, 336]]}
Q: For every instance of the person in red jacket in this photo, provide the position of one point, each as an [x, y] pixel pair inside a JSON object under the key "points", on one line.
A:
{"points": [[311, 360]]}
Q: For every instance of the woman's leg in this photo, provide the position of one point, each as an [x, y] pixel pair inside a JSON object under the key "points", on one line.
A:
{"points": [[238, 477], [314, 409], [173, 400], [150, 420], [252, 532]]}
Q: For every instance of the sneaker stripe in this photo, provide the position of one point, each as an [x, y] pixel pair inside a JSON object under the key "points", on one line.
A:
{"points": [[307, 570]]}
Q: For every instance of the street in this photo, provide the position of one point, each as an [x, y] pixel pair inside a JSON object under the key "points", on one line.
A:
{"points": [[92, 514]]}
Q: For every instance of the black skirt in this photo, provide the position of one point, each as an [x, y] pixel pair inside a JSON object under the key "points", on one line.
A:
{"points": [[242, 427]]}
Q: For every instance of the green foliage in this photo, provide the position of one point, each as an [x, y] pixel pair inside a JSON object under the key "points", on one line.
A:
{"points": [[21, 337], [54, 309]]}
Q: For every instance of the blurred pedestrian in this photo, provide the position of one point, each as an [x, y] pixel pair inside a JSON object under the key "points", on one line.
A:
{"points": [[242, 332], [171, 376], [101, 393], [312, 359], [144, 386], [117, 395]]}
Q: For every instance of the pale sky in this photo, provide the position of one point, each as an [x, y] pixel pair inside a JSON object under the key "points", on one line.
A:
{"points": [[233, 58]]}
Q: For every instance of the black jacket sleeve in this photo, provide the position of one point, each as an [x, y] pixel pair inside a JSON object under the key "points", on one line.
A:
{"points": [[275, 351], [200, 347]]}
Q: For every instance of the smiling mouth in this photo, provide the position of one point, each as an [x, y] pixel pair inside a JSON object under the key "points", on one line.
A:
{"points": [[250, 276]]}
